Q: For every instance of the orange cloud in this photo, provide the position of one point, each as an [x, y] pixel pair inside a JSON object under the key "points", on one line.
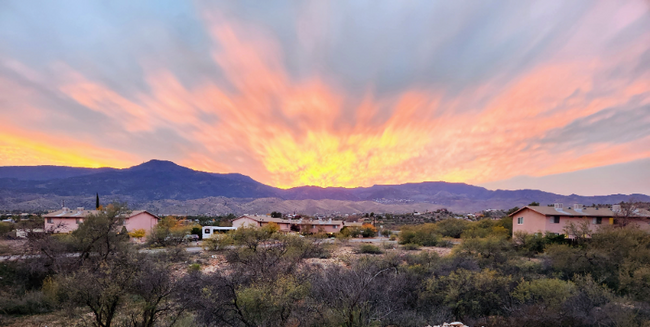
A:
{"points": [[288, 132]]}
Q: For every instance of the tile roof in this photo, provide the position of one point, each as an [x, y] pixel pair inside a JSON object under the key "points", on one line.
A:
{"points": [[75, 213]]}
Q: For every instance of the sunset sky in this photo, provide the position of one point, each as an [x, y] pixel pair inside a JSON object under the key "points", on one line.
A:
{"points": [[551, 95]]}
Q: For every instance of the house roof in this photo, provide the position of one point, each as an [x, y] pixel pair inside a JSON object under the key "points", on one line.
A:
{"points": [[78, 213], [585, 212]]}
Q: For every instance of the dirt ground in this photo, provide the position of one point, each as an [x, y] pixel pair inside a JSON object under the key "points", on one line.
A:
{"points": [[10, 247], [341, 253]]}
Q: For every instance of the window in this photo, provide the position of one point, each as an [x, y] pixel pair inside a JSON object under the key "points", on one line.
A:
{"points": [[520, 221], [49, 220], [335, 227], [313, 226], [556, 219], [598, 221], [207, 231], [78, 221]]}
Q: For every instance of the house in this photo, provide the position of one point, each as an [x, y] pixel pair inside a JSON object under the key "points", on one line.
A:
{"points": [[66, 220], [295, 225], [538, 219]]}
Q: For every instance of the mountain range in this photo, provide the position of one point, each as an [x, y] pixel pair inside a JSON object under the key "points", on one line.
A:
{"points": [[156, 183]]}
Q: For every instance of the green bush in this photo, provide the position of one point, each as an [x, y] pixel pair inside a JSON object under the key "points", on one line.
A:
{"points": [[424, 235], [194, 267], [369, 249], [410, 247], [452, 227], [27, 304], [387, 245], [6, 228]]}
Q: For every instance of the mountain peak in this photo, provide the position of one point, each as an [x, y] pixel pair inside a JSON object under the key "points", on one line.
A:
{"points": [[158, 165]]}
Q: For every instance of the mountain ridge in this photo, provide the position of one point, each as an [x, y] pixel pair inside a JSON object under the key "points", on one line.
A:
{"points": [[158, 180]]}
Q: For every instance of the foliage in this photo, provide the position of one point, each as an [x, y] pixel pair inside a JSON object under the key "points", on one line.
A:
{"points": [[424, 235], [487, 280], [368, 230], [169, 231], [452, 227], [369, 249], [137, 233], [410, 247]]}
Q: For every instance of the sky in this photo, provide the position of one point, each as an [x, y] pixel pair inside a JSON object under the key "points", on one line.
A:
{"points": [[551, 95]]}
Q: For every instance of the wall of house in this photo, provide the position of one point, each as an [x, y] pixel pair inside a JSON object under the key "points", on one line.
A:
{"points": [[61, 225], [142, 220], [641, 223], [316, 228], [533, 222]]}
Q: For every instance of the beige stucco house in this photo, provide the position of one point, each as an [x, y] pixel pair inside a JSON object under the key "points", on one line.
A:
{"points": [[66, 220], [541, 219]]}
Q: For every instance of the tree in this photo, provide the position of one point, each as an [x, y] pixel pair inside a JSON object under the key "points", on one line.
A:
{"points": [[169, 231], [533, 204], [100, 234], [625, 213], [276, 214], [97, 202]]}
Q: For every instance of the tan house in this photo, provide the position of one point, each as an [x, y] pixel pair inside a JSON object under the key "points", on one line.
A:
{"points": [[66, 220], [295, 225], [539, 219]]}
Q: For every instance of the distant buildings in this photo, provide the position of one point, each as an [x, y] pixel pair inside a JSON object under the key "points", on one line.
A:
{"points": [[66, 220], [534, 219], [295, 225]]}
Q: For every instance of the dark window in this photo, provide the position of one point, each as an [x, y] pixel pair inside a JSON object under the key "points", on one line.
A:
{"points": [[49, 220], [598, 221], [207, 230], [556, 219]]}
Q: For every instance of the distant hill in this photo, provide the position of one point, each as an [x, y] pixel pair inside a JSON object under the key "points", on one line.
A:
{"points": [[43, 173], [158, 180]]}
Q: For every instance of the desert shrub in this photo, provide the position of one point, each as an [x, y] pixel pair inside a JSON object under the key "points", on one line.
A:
{"points": [[445, 243], [410, 247], [386, 232], [470, 294], [6, 228], [551, 292], [488, 251], [169, 231], [452, 227], [392, 237], [387, 245], [424, 235], [33, 302], [194, 267], [368, 230], [350, 231], [369, 249]]}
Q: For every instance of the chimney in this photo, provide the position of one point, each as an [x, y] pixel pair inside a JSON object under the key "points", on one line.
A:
{"points": [[558, 206], [578, 207], [80, 208], [65, 209]]}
